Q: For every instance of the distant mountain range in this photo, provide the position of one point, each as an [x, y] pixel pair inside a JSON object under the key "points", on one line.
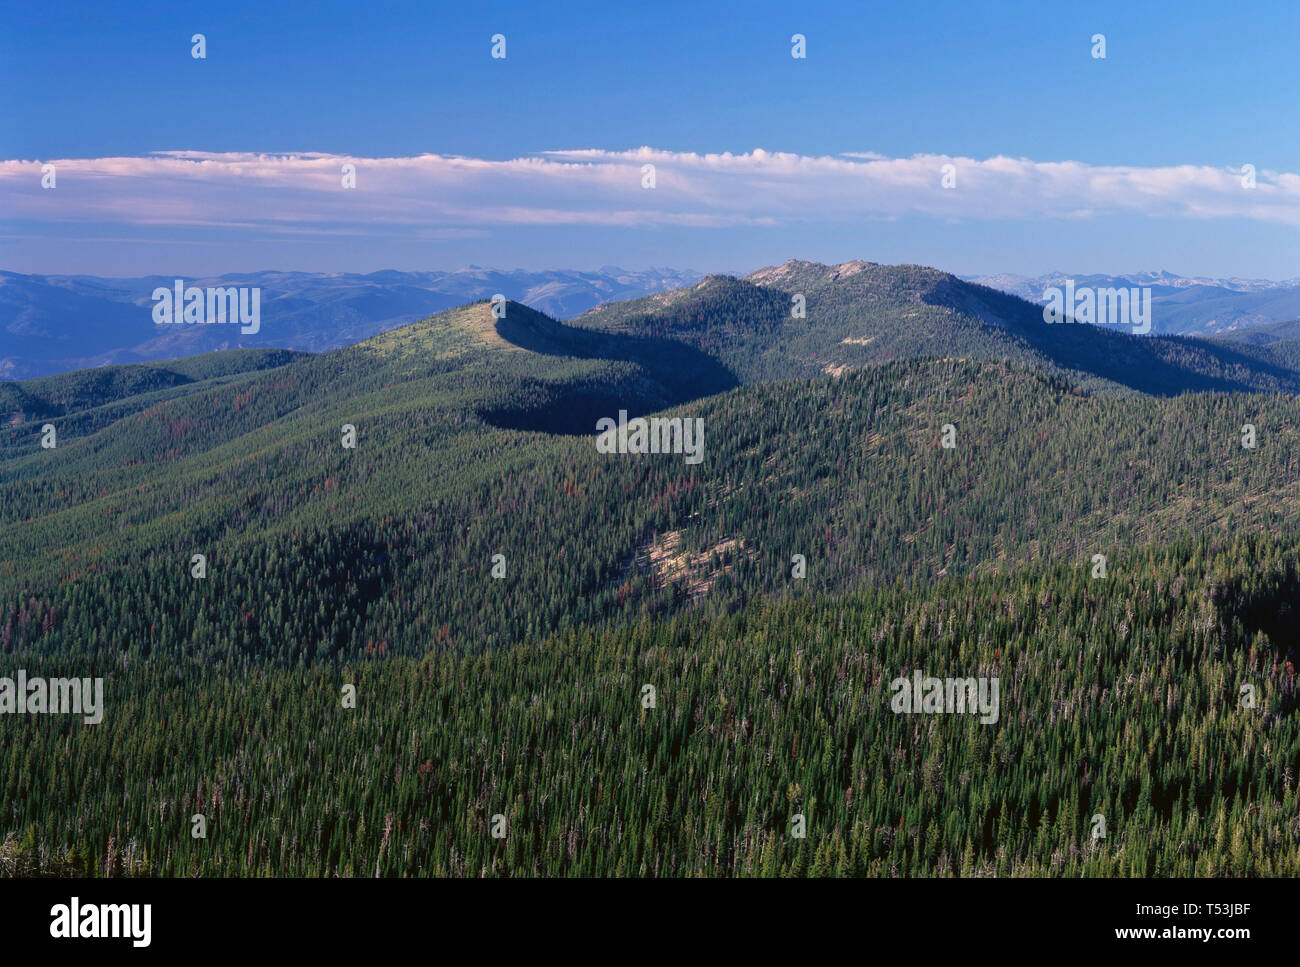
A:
{"points": [[1181, 306], [53, 324], [56, 323]]}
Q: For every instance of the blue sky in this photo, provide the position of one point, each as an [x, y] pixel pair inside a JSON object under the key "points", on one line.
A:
{"points": [[1062, 161]]}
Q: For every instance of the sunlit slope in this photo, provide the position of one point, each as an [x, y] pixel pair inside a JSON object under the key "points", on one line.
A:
{"points": [[261, 454]]}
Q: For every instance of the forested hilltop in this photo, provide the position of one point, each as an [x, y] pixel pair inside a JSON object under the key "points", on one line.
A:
{"points": [[861, 313], [499, 593]]}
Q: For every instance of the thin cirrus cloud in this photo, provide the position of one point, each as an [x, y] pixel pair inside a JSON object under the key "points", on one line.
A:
{"points": [[302, 192]]}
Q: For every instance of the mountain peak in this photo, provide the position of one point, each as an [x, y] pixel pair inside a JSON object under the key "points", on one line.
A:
{"points": [[788, 269], [846, 269], [798, 269]]}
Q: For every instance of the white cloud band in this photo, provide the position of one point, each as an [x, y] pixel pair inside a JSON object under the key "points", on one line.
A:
{"points": [[293, 193]]}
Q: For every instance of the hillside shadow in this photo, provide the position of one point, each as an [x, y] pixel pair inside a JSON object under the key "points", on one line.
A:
{"points": [[1156, 365], [1272, 608], [672, 373]]}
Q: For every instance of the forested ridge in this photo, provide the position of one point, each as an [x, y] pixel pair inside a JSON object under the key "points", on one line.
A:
{"points": [[521, 695]]}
